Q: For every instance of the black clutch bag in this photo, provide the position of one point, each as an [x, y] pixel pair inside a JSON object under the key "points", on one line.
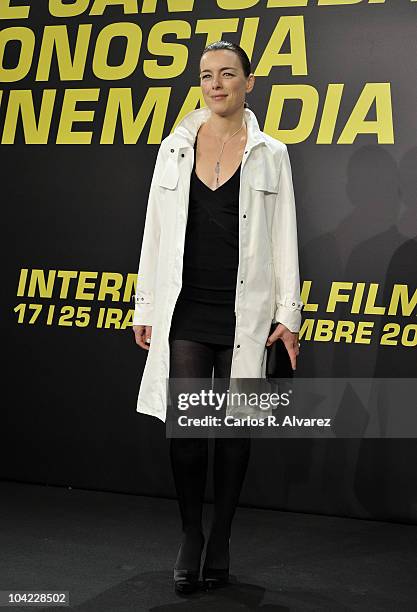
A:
{"points": [[278, 362]]}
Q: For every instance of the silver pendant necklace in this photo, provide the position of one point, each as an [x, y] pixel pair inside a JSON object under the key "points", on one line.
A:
{"points": [[217, 167]]}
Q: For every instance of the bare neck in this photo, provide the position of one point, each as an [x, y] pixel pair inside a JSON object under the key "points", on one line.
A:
{"points": [[224, 127]]}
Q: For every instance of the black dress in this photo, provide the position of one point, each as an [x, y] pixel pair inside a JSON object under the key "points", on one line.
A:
{"points": [[204, 310]]}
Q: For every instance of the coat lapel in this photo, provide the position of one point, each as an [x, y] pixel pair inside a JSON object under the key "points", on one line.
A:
{"points": [[263, 175]]}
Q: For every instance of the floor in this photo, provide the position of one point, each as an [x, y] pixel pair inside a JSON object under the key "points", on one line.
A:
{"points": [[115, 553]]}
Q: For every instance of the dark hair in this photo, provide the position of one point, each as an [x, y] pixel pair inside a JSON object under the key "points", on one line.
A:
{"points": [[241, 53]]}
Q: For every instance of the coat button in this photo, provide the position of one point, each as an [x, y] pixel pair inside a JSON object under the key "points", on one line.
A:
{"points": [[172, 150], [244, 216], [238, 346], [293, 303], [245, 152], [182, 154], [241, 282]]}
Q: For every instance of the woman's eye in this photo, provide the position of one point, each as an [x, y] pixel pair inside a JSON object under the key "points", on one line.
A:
{"points": [[224, 73]]}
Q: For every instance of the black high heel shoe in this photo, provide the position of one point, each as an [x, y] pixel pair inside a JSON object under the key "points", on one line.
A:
{"points": [[214, 578], [186, 581]]}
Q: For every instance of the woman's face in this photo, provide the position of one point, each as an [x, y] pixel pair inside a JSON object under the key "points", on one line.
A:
{"points": [[223, 82]]}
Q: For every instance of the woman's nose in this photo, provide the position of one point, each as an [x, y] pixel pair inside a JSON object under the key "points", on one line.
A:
{"points": [[215, 82]]}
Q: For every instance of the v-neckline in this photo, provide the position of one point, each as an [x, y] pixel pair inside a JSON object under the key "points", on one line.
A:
{"points": [[202, 182], [220, 186]]}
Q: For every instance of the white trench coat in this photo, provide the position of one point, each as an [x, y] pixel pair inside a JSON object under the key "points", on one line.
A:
{"points": [[267, 285]]}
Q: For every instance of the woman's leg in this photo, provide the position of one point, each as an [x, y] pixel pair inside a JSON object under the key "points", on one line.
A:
{"points": [[231, 457], [189, 359]]}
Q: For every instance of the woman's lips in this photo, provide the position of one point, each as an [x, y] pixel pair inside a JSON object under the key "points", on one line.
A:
{"points": [[218, 97]]}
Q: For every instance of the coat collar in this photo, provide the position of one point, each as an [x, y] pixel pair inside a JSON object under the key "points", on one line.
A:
{"points": [[185, 132]]}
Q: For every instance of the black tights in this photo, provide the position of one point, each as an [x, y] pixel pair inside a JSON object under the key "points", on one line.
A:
{"points": [[189, 458]]}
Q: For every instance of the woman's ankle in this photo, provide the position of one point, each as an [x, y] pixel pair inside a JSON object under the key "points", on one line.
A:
{"points": [[189, 553], [218, 551]]}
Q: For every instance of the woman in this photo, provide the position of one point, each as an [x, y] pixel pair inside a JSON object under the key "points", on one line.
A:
{"points": [[219, 262]]}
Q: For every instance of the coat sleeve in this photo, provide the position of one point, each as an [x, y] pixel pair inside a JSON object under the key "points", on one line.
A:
{"points": [[146, 278], [285, 251]]}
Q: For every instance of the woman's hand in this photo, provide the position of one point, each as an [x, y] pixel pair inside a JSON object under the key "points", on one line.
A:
{"points": [[289, 338], [142, 333]]}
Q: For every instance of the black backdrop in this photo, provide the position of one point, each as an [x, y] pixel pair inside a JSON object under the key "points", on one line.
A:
{"points": [[78, 205]]}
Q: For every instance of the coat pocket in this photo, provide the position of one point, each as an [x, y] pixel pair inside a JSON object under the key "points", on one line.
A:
{"points": [[169, 176], [264, 178]]}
